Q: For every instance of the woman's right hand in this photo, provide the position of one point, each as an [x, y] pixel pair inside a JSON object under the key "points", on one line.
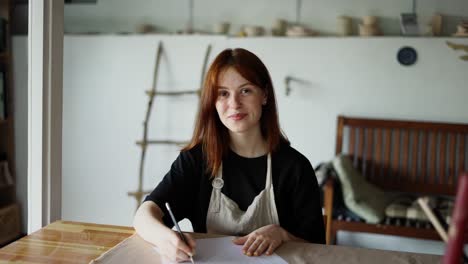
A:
{"points": [[149, 225], [172, 247]]}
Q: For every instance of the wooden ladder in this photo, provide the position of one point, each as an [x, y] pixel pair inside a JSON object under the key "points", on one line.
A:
{"points": [[145, 142]]}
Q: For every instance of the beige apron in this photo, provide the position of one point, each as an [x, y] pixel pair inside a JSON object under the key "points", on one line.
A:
{"points": [[225, 217]]}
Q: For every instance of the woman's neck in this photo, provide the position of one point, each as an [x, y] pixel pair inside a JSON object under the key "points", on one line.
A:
{"points": [[250, 145]]}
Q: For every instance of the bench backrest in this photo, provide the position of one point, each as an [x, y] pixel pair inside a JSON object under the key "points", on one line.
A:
{"points": [[406, 156]]}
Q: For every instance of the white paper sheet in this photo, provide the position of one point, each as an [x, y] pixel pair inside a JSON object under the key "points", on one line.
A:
{"points": [[222, 250]]}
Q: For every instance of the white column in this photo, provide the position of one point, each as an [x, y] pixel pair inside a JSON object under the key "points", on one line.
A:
{"points": [[45, 64]]}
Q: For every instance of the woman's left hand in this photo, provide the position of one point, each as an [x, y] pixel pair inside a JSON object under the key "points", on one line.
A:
{"points": [[263, 240]]}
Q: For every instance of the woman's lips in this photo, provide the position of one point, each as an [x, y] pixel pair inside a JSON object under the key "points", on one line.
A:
{"points": [[237, 117]]}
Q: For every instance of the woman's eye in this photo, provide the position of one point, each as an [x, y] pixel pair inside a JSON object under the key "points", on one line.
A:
{"points": [[223, 93], [246, 91]]}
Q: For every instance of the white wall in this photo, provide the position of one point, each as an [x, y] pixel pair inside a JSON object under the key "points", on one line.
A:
{"points": [[104, 105], [111, 16]]}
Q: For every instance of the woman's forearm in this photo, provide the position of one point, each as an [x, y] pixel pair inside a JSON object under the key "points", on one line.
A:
{"points": [[148, 221], [290, 237]]}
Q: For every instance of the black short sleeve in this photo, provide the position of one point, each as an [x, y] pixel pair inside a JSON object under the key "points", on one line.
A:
{"points": [[307, 220], [177, 188], [297, 195]]}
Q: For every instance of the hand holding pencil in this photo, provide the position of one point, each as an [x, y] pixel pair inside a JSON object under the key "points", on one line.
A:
{"points": [[182, 236]]}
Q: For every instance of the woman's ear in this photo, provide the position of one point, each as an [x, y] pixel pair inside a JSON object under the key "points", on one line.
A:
{"points": [[265, 97]]}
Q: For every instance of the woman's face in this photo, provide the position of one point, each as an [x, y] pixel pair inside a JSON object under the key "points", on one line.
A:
{"points": [[239, 102]]}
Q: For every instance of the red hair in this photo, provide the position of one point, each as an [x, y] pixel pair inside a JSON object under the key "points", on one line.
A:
{"points": [[209, 131]]}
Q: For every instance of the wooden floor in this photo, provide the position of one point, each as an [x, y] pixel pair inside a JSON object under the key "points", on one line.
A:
{"points": [[65, 242]]}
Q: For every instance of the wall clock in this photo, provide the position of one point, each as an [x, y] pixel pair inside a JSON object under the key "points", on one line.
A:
{"points": [[407, 56]]}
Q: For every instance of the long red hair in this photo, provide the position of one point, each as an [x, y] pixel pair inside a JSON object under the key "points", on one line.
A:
{"points": [[209, 131]]}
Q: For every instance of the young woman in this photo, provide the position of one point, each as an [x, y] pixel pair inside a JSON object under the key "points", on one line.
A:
{"points": [[238, 175]]}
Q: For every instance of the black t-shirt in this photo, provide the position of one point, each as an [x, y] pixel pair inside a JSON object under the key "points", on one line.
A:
{"points": [[244, 178], [187, 188]]}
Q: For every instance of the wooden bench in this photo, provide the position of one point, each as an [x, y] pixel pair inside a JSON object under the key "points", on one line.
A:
{"points": [[404, 156]]}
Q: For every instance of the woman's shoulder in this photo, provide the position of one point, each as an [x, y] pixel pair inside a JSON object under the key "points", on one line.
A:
{"points": [[286, 152], [289, 158], [194, 153], [189, 160]]}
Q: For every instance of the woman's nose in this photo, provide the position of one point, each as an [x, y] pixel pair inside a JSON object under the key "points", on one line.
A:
{"points": [[234, 100]]}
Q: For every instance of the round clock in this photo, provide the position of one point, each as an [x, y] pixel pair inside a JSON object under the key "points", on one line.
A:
{"points": [[407, 56]]}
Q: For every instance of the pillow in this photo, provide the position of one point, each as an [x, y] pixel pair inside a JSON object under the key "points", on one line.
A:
{"points": [[361, 197], [399, 207]]}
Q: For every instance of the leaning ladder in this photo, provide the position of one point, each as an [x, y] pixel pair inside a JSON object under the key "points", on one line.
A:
{"points": [[145, 142]]}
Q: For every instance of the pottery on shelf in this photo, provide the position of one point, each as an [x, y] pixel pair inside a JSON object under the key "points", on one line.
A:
{"points": [[279, 28], [252, 31], [462, 29], [369, 26], [221, 28], [299, 31], [345, 26]]}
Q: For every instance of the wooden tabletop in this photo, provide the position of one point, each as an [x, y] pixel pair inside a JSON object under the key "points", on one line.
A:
{"points": [[65, 242], [74, 242]]}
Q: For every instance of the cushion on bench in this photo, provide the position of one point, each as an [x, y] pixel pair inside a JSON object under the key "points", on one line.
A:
{"points": [[363, 198]]}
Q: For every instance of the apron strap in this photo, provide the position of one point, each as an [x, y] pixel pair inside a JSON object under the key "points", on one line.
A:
{"points": [[217, 183], [268, 176]]}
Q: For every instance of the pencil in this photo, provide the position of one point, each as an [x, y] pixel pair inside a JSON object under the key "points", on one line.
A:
{"points": [[178, 229]]}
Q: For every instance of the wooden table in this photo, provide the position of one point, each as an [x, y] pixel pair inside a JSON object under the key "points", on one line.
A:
{"points": [[65, 242], [73, 242]]}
